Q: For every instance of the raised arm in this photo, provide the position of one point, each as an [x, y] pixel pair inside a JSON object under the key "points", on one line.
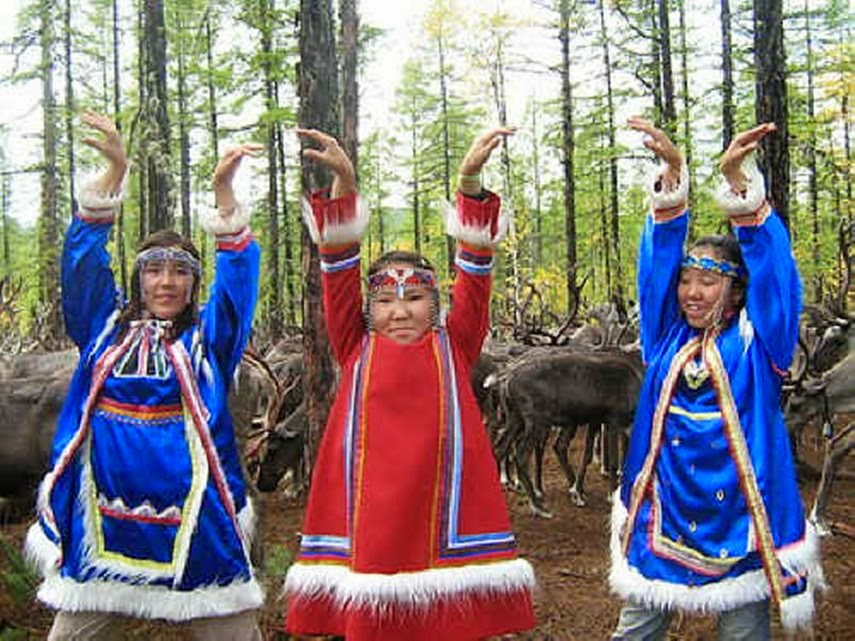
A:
{"points": [[773, 299], [227, 317], [661, 248], [336, 223], [478, 225], [89, 294]]}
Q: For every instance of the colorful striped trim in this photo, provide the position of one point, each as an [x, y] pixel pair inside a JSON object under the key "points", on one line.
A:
{"points": [[141, 413], [645, 476], [336, 259], [452, 542], [100, 216], [476, 269], [665, 214], [474, 260], [238, 241], [745, 471], [695, 416], [664, 547], [754, 218]]}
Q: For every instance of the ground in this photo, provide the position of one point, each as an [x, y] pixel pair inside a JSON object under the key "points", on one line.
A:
{"points": [[568, 553]]}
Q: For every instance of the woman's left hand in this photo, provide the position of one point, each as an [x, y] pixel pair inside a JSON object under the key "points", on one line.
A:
{"points": [[481, 148], [742, 145], [225, 170]]}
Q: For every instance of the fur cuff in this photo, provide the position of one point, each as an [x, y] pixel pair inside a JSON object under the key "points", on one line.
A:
{"points": [[335, 221], [480, 223], [221, 222], [666, 205], [97, 205], [753, 201]]}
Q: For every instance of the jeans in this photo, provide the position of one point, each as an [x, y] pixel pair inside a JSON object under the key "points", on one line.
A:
{"points": [[749, 622]]}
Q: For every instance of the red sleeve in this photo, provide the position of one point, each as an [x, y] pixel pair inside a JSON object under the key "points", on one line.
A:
{"points": [[340, 277], [469, 316]]}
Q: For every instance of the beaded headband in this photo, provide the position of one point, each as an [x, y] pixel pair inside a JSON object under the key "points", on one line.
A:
{"points": [[723, 267], [169, 254], [401, 279]]}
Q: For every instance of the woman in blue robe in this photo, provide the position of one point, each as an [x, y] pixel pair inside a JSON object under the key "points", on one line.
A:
{"points": [[144, 511], [709, 517]]}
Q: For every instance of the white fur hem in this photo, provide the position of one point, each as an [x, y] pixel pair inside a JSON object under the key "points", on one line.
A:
{"points": [[668, 199], [796, 611], [470, 234], [99, 204], [40, 551], [336, 233], [733, 204], [150, 601], [222, 221], [413, 589]]}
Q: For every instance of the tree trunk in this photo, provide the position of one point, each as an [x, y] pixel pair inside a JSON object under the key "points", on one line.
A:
{"points": [[728, 110], [771, 100], [446, 139], [538, 187], [810, 151], [183, 132], [669, 110], [616, 294], [274, 310], [117, 110], [687, 108], [349, 19], [49, 219], [567, 146], [161, 202], [318, 91], [69, 102]]}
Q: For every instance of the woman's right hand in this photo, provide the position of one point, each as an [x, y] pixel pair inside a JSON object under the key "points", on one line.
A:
{"points": [[332, 156], [660, 144], [110, 146]]}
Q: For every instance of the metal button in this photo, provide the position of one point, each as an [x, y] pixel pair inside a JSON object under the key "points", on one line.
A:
{"points": [[693, 526], [722, 553], [675, 442], [720, 495]]}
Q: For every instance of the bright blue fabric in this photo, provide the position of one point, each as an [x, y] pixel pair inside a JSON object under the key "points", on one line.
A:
{"points": [[701, 503], [150, 461]]}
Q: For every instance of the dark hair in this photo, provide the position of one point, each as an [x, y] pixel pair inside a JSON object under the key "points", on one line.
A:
{"points": [[400, 256], [726, 247], [135, 307]]}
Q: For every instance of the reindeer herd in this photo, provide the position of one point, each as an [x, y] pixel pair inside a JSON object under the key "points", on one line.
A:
{"points": [[533, 397]]}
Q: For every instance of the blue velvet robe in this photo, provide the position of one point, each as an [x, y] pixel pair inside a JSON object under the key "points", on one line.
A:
{"points": [[144, 510], [709, 515]]}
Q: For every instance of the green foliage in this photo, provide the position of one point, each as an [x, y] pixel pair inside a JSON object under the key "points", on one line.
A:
{"points": [[17, 576]]}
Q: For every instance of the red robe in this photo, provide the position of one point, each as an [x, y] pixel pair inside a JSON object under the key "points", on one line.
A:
{"points": [[406, 533]]}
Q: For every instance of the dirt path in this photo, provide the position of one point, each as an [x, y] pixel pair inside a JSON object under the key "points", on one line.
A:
{"points": [[569, 553]]}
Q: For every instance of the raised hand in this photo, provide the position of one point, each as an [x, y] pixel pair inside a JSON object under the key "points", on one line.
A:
{"points": [[660, 144], [481, 148], [332, 156], [225, 170], [108, 145], [742, 145]]}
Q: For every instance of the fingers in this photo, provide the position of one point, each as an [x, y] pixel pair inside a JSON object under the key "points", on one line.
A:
{"points": [[482, 147]]}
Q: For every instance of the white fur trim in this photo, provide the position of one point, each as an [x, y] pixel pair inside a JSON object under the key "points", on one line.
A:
{"points": [[150, 601], [733, 204], [222, 221], [411, 589], [746, 330], [336, 233], [41, 552], [470, 234], [796, 611], [94, 202], [667, 199]]}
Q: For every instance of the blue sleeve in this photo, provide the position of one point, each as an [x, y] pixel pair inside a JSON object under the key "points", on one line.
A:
{"points": [[774, 297], [659, 256], [227, 317], [89, 293]]}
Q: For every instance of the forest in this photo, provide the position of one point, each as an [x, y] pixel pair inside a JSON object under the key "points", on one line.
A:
{"points": [[187, 79]]}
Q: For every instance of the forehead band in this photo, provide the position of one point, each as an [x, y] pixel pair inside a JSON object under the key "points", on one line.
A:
{"points": [[169, 254], [401, 279], [707, 264]]}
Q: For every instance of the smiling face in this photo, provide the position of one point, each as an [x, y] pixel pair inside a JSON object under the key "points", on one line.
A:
{"points": [[705, 296], [167, 286], [402, 314]]}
